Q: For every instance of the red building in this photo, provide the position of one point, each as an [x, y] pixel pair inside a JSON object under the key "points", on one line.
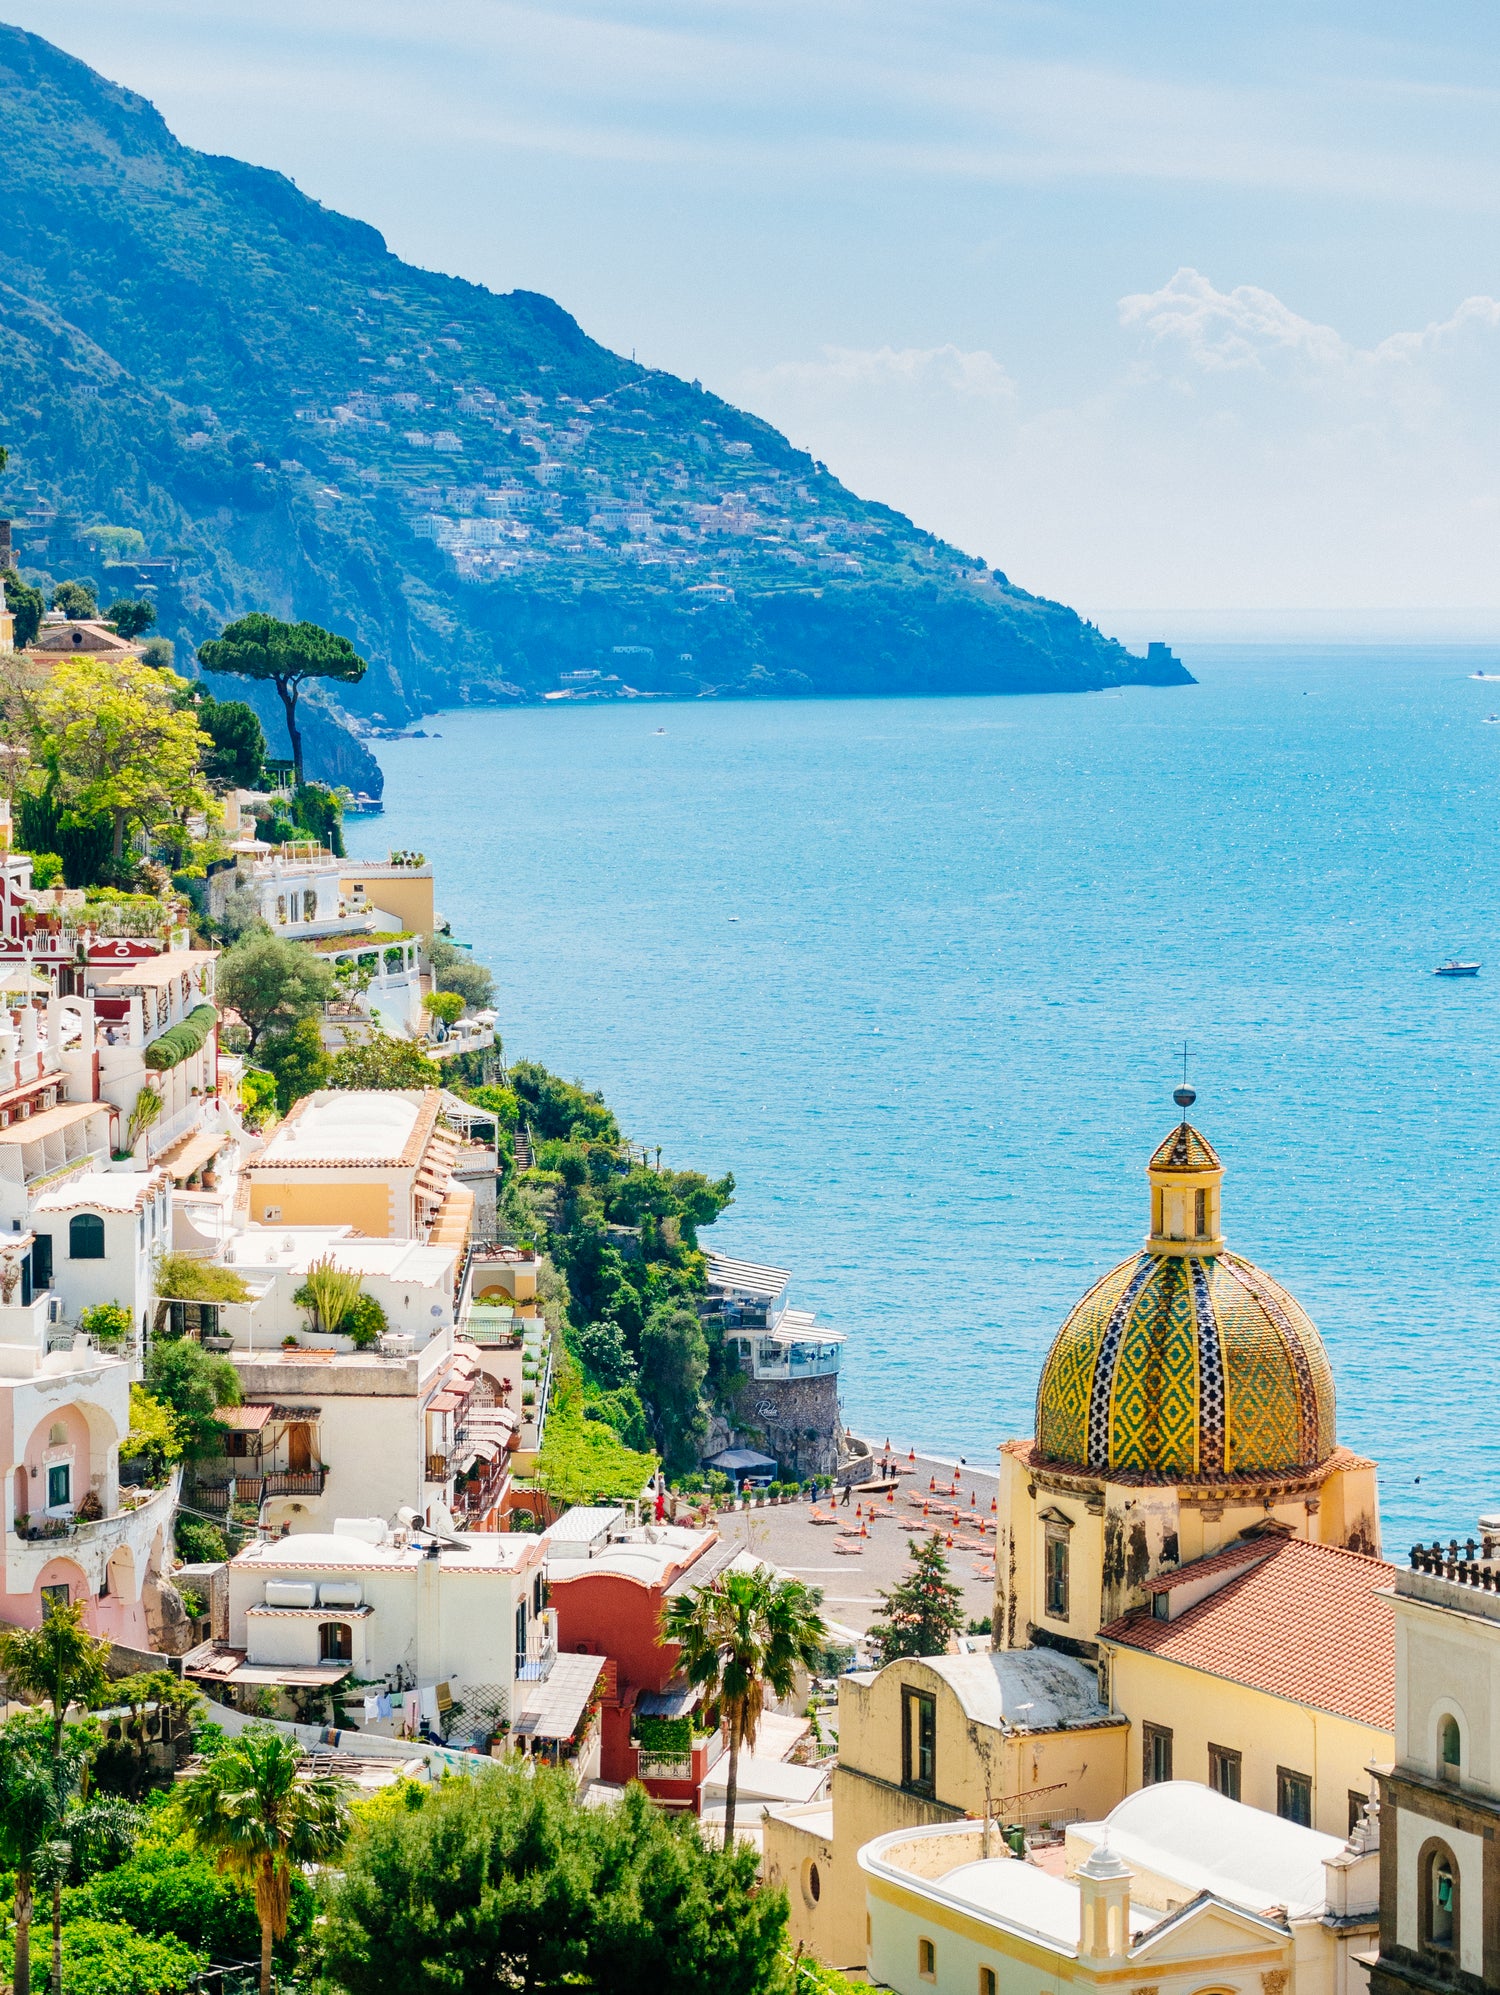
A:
{"points": [[609, 1585]]}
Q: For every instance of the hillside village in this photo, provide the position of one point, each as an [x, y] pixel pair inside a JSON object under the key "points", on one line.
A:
{"points": [[338, 1398]]}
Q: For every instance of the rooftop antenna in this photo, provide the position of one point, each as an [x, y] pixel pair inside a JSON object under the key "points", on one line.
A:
{"points": [[1187, 1094]]}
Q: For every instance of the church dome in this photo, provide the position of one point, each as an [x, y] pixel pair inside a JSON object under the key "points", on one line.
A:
{"points": [[1187, 1363]]}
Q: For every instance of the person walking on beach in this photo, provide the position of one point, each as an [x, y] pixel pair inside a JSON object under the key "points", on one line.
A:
{"points": [[848, 1492]]}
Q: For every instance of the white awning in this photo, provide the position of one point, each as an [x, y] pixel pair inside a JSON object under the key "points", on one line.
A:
{"points": [[553, 1707]]}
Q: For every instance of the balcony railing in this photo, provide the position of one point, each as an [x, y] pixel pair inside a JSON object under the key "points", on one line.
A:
{"points": [[1457, 1562], [541, 1650]]}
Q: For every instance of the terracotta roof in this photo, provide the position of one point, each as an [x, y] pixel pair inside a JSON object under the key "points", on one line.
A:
{"points": [[1306, 1623], [1185, 1150], [1237, 1555]]}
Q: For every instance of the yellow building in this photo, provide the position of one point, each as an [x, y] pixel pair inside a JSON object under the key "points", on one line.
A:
{"points": [[1186, 1400], [1019, 1737], [376, 1160], [1180, 1891], [1268, 1673], [399, 887]]}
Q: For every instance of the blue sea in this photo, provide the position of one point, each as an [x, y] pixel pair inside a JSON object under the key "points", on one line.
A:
{"points": [[919, 973]]}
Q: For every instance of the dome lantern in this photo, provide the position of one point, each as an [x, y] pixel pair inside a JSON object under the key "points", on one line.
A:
{"points": [[1185, 1177]]}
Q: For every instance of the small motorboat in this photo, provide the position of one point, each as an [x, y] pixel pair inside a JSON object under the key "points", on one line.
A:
{"points": [[1454, 968], [1484, 675]]}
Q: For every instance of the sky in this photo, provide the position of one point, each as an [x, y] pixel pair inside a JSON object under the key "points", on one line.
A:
{"points": [[1160, 307]]}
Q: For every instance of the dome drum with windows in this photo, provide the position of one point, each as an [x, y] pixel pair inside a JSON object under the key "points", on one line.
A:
{"points": [[1187, 1363]]}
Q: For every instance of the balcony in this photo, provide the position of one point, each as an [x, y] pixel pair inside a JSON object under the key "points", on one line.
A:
{"points": [[212, 1481], [541, 1649]]}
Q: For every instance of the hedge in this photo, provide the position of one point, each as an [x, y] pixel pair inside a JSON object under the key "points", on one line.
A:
{"points": [[181, 1041]]}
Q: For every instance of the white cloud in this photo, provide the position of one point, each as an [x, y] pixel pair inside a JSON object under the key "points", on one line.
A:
{"points": [[1228, 329]]}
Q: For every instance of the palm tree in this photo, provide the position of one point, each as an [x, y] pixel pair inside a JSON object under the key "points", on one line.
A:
{"points": [[60, 1661], [48, 1826], [738, 1637], [251, 1811], [28, 1813]]}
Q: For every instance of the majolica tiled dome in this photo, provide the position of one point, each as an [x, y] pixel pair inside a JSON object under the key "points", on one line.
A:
{"points": [[1187, 1362]]}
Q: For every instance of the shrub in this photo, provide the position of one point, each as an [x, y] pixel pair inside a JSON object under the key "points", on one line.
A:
{"points": [[108, 1322], [199, 1542], [154, 1436], [101, 1957], [366, 1323], [179, 1278], [180, 1042], [446, 1005], [330, 1293], [46, 871]]}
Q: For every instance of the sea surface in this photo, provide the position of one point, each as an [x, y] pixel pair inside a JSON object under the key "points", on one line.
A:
{"points": [[919, 973]]}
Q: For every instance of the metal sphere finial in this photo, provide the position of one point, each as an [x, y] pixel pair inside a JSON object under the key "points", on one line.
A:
{"points": [[1185, 1096]]}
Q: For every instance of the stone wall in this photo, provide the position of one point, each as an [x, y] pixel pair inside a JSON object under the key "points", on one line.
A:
{"points": [[797, 1420]]}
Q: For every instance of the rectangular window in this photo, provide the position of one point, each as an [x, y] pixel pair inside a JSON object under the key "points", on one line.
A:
{"points": [[59, 1484], [1294, 1796], [1224, 1771], [927, 1960], [1156, 1754], [1057, 1574], [919, 1741], [1200, 1213], [1161, 1606], [988, 1982], [54, 1596]]}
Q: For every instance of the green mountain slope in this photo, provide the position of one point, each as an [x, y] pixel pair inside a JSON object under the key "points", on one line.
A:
{"points": [[480, 496]]}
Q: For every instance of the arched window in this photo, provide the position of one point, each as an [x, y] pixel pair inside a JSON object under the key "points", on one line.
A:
{"points": [[335, 1643], [86, 1237], [1449, 1748], [1437, 1884]]}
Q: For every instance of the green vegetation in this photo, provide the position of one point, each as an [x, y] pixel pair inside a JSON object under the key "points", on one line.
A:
{"points": [[75, 599], [297, 1060], [154, 1436], [383, 1062], [25, 605], [110, 744], [504, 1881], [272, 984], [924, 1610], [456, 970], [192, 1384], [181, 1041], [132, 616], [237, 758], [167, 268], [445, 1005], [332, 1296], [108, 1322], [180, 1278], [627, 1272], [741, 1636]]}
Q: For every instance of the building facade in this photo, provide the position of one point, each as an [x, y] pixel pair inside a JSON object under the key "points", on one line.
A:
{"points": [[1440, 1796]]}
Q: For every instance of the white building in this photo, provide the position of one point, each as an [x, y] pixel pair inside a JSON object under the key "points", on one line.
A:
{"points": [[1440, 1801], [97, 1239], [1180, 1889], [391, 1611]]}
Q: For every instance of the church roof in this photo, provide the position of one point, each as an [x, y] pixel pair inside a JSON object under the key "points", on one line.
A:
{"points": [[1306, 1623], [1180, 1367], [1185, 1149]]}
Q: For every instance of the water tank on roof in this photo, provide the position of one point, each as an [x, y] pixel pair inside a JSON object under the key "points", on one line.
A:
{"points": [[291, 1593], [340, 1593]]}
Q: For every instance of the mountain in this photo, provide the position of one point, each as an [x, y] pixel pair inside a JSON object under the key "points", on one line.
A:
{"points": [[489, 503]]}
